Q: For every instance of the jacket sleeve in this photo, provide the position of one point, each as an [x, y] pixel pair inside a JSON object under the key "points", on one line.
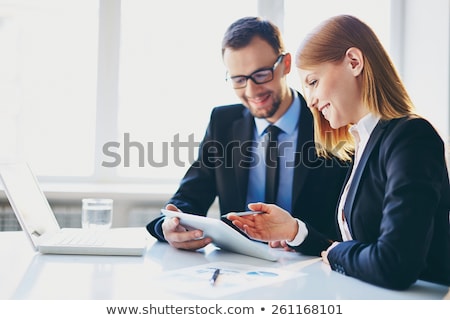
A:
{"points": [[197, 189]]}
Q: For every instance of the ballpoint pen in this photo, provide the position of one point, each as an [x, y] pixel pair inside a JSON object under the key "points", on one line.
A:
{"points": [[214, 277], [243, 213]]}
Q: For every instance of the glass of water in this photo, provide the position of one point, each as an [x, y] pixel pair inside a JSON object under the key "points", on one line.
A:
{"points": [[97, 213]]}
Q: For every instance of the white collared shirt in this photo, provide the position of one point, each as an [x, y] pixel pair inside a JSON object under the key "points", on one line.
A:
{"points": [[361, 133]]}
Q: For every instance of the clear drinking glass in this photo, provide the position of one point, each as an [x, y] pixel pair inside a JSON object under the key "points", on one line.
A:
{"points": [[97, 213]]}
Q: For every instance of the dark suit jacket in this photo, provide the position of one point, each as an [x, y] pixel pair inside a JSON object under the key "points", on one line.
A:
{"points": [[222, 170], [397, 209]]}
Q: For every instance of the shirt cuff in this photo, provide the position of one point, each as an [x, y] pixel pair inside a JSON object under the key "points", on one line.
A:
{"points": [[300, 236]]}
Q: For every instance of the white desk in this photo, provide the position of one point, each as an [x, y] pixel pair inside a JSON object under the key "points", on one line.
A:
{"points": [[25, 274]]}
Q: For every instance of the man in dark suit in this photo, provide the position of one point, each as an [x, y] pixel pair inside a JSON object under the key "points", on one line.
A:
{"points": [[230, 165]]}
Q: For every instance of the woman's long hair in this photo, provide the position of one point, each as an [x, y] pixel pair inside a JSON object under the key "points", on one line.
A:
{"points": [[382, 89]]}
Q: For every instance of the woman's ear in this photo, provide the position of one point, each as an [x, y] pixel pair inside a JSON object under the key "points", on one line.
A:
{"points": [[355, 59]]}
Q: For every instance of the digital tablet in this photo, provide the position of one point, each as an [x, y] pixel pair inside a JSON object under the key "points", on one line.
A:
{"points": [[223, 235]]}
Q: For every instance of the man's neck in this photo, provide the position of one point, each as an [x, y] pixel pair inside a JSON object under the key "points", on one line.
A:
{"points": [[284, 106]]}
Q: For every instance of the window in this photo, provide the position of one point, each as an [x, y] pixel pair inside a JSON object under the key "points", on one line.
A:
{"points": [[111, 90], [48, 58], [299, 19], [171, 75]]}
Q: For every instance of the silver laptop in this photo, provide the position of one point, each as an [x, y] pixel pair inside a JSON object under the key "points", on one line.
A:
{"points": [[38, 221]]}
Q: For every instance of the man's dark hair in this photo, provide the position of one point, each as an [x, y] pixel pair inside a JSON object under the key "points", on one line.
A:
{"points": [[241, 32]]}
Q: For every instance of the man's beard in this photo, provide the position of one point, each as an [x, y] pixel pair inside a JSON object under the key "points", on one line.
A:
{"points": [[274, 108]]}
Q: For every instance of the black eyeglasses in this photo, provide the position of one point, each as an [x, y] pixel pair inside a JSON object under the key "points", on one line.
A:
{"points": [[259, 76]]}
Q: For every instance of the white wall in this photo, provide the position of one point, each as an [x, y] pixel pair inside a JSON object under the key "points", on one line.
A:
{"points": [[426, 58]]}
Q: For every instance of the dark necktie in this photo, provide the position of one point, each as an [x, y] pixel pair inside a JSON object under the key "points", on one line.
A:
{"points": [[272, 164]]}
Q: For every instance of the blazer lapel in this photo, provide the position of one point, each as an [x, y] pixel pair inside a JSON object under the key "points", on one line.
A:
{"points": [[241, 152], [373, 141], [305, 144]]}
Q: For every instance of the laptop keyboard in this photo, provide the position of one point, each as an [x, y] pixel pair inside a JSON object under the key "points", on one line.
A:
{"points": [[79, 238]]}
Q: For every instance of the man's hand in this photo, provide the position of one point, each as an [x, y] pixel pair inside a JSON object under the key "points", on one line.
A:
{"points": [[179, 237]]}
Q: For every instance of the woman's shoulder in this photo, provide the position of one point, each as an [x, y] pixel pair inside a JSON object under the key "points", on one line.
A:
{"points": [[411, 132], [411, 124]]}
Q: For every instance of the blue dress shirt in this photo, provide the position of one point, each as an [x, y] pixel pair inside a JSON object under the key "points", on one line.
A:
{"points": [[287, 142]]}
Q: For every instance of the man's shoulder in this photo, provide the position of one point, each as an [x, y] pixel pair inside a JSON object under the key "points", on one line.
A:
{"points": [[229, 113], [237, 109]]}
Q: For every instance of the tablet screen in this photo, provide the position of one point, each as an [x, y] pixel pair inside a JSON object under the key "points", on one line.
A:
{"points": [[224, 236]]}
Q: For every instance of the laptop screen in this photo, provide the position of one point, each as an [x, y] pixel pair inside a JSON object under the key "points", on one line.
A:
{"points": [[27, 200]]}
